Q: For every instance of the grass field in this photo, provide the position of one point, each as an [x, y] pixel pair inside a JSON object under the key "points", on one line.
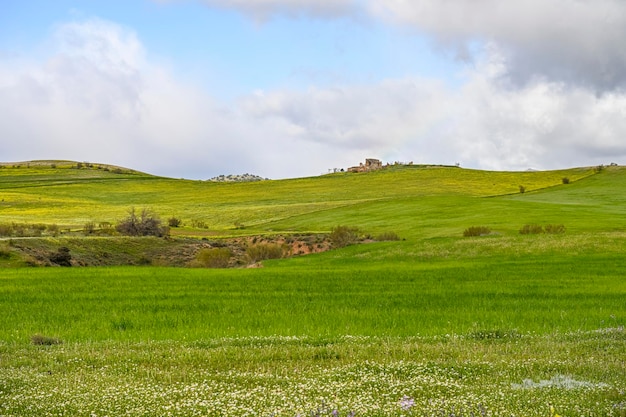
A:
{"points": [[436, 324]]}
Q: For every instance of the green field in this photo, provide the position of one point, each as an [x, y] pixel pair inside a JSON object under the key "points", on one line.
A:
{"points": [[434, 324]]}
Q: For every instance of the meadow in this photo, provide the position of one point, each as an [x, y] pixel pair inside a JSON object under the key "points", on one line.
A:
{"points": [[434, 324]]}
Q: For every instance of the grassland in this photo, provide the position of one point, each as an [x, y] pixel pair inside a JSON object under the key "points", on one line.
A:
{"points": [[434, 324]]}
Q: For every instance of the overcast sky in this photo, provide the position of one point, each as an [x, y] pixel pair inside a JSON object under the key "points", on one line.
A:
{"points": [[291, 88]]}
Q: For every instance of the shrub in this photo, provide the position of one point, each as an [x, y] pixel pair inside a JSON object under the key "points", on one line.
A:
{"points": [[198, 224], [106, 228], [522, 189], [41, 340], [146, 224], [476, 231], [214, 257], [53, 229], [89, 228], [386, 236], [6, 230], [341, 236], [174, 222], [555, 229], [531, 229], [565, 180], [262, 251], [5, 253], [62, 257]]}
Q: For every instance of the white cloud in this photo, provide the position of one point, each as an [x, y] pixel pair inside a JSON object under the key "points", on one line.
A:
{"points": [[573, 41], [565, 40]]}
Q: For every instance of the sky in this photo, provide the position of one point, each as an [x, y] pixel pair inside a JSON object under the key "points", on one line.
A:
{"points": [[295, 88]]}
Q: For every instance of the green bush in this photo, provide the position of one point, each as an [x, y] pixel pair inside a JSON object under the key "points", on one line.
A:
{"points": [[89, 228], [531, 229], [262, 251], [41, 340], [476, 231], [342, 236], [174, 222], [198, 224], [213, 257], [6, 230], [387, 236], [565, 180], [53, 229], [554, 229], [522, 189]]}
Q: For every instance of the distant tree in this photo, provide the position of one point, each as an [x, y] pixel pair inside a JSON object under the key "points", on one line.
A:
{"points": [[145, 224]]}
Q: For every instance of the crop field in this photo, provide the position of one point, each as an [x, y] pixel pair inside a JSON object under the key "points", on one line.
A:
{"points": [[433, 324]]}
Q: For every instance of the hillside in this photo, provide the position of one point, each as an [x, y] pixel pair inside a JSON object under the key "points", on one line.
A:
{"points": [[416, 203], [68, 196]]}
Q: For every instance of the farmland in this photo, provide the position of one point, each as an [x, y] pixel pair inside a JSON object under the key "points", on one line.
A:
{"points": [[432, 324]]}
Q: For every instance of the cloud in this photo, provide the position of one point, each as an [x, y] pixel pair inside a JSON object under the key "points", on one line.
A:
{"points": [[544, 124], [97, 97], [264, 9], [573, 41], [485, 124], [356, 117]]}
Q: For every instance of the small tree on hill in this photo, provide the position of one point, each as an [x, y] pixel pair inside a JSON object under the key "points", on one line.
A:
{"points": [[341, 236], [145, 224]]}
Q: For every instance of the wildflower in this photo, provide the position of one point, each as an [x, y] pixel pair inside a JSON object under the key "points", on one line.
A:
{"points": [[406, 403]]}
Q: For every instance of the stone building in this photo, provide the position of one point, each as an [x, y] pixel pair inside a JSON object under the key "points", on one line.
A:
{"points": [[370, 164]]}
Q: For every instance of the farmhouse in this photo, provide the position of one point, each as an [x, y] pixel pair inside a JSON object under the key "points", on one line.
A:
{"points": [[370, 165]]}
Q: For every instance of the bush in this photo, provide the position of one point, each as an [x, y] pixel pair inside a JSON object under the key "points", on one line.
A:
{"points": [[53, 229], [387, 236], [174, 222], [565, 180], [555, 229], [476, 231], [531, 229], [106, 228], [6, 230], [146, 224], [198, 224], [41, 340], [214, 257], [522, 189], [62, 257], [89, 228], [342, 236], [262, 251]]}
